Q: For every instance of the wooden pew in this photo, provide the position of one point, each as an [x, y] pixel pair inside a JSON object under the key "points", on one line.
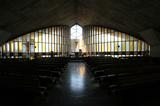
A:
{"points": [[29, 75]]}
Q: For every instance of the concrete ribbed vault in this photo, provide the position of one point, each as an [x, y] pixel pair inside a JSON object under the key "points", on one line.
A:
{"points": [[131, 16]]}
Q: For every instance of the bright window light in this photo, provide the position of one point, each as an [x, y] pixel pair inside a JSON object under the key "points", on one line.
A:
{"points": [[76, 32]]}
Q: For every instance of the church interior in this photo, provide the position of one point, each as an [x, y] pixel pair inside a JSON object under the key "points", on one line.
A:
{"points": [[79, 53]]}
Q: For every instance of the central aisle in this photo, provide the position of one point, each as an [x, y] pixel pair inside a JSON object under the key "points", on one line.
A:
{"points": [[77, 88], [77, 79]]}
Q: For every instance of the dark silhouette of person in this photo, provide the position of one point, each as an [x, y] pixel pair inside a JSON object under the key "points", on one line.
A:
{"points": [[52, 54]]}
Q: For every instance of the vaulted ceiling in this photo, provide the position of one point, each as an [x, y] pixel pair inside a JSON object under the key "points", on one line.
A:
{"points": [[132, 16]]}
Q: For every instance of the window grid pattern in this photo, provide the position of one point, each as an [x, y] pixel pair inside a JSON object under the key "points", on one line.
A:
{"points": [[42, 41], [109, 42]]}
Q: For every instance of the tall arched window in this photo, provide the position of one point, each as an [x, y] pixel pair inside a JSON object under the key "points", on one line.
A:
{"points": [[77, 42], [76, 32]]}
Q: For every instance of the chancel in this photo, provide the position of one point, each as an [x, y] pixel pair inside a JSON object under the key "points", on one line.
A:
{"points": [[79, 52]]}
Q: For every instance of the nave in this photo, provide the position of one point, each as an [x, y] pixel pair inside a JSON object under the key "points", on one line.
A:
{"points": [[78, 86]]}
